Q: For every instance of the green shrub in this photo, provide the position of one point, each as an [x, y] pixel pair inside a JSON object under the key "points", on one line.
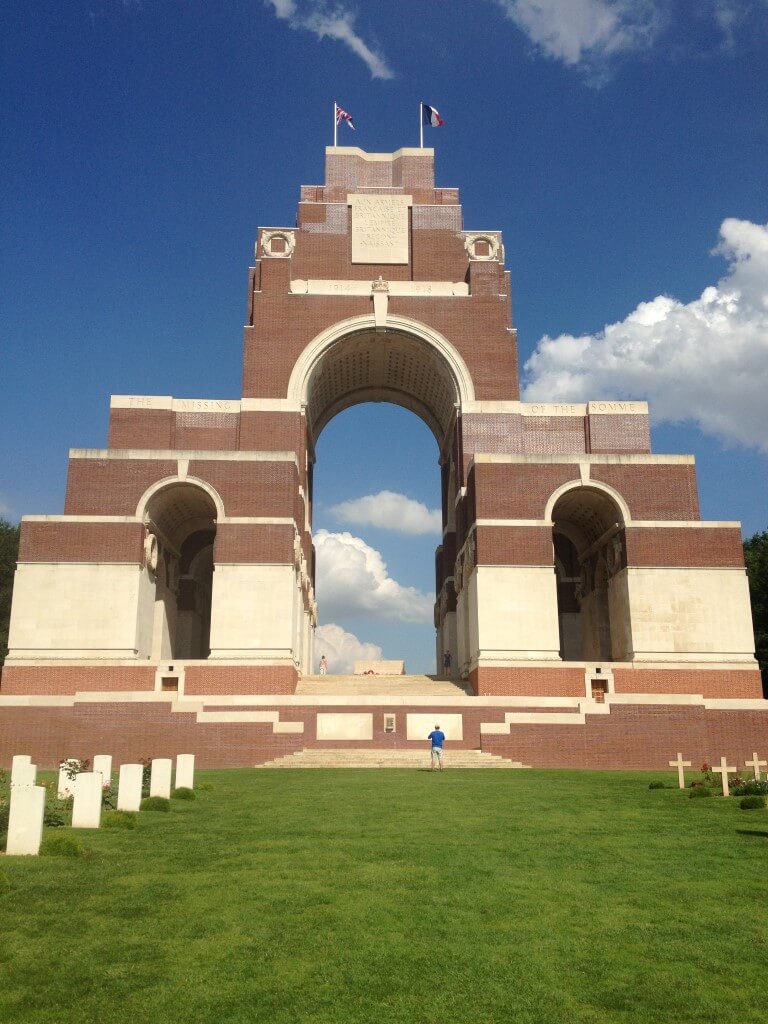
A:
{"points": [[5, 810], [155, 803], [183, 793], [657, 784], [5, 885], [700, 791], [119, 819], [55, 814], [752, 788], [146, 774], [749, 803], [62, 845], [205, 787]]}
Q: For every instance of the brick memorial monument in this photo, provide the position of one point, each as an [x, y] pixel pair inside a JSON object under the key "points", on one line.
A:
{"points": [[595, 619]]}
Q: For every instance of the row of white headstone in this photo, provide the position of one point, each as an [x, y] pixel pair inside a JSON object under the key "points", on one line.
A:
{"points": [[27, 810], [723, 770]]}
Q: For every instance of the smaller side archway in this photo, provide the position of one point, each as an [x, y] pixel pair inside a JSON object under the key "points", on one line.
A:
{"points": [[180, 517], [590, 565]]}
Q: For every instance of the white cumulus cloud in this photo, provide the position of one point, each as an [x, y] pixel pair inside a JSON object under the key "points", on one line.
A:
{"points": [[328, 21], [577, 31], [389, 510], [352, 580], [342, 649], [705, 360]]}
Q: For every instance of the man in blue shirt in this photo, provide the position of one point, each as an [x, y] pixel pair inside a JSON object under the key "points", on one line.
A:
{"points": [[437, 736]]}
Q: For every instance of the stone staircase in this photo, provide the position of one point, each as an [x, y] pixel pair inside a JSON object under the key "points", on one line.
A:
{"points": [[380, 686], [326, 757]]}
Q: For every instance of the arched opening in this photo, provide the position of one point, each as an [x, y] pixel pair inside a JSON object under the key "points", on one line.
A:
{"points": [[181, 518], [590, 565], [383, 450]]}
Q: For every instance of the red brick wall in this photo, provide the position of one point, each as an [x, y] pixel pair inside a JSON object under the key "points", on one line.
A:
{"points": [[514, 545], [232, 679], [81, 542], [111, 487], [654, 491], [636, 736], [70, 679], [528, 682], [251, 488], [685, 546], [254, 543], [272, 432], [517, 491], [140, 428], [743, 683], [618, 433], [206, 431]]}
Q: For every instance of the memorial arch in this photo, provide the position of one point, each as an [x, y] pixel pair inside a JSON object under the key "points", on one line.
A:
{"points": [[570, 551]]}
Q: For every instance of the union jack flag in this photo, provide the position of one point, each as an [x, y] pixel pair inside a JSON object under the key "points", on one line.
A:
{"points": [[342, 115]]}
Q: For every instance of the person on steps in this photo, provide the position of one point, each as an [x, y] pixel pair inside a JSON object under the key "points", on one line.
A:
{"points": [[437, 736]]}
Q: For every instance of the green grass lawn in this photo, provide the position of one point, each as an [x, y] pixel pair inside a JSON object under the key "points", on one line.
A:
{"points": [[399, 896]]}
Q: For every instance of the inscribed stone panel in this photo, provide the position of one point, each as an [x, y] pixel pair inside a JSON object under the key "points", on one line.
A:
{"points": [[379, 228]]}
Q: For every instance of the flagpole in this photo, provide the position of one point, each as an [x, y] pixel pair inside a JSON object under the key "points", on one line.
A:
{"points": [[421, 125], [335, 124]]}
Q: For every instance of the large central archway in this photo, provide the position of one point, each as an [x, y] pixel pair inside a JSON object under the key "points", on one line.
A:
{"points": [[406, 364]]}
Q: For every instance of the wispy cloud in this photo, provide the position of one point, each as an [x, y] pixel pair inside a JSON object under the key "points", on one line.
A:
{"points": [[589, 35], [705, 361], [586, 32], [328, 21], [389, 510]]}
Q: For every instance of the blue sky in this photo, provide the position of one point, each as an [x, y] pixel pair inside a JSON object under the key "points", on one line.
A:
{"points": [[616, 144]]}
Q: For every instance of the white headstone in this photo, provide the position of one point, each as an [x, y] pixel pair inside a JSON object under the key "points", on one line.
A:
{"points": [[86, 810], [66, 785], [102, 763], [185, 771], [24, 774], [680, 764], [722, 771], [129, 787], [18, 765], [160, 779], [25, 820]]}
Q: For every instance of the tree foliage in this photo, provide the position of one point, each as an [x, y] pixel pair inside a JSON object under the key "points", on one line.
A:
{"points": [[756, 558], [9, 550]]}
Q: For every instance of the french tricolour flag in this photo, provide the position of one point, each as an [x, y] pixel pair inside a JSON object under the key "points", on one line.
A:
{"points": [[431, 116]]}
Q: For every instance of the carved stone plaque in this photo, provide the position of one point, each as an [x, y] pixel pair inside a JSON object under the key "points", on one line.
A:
{"points": [[379, 228]]}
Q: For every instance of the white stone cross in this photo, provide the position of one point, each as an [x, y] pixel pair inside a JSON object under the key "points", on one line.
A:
{"points": [[680, 764], [722, 771], [755, 765]]}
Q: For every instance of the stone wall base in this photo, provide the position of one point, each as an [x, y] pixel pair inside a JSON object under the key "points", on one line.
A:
{"points": [[617, 735]]}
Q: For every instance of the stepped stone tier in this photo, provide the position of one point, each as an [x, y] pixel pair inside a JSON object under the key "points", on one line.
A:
{"points": [[592, 617]]}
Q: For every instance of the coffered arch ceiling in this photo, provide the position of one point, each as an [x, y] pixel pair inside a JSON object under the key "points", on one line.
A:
{"points": [[584, 515], [371, 365]]}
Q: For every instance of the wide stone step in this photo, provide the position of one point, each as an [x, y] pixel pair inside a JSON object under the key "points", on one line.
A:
{"points": [[381, 686], [319, 757]]}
